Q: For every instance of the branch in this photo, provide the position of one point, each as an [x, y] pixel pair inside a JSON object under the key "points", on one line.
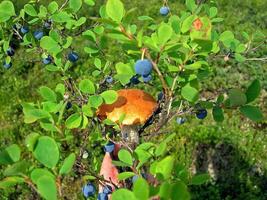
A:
{"points": [[155, 67], [257, 59]]}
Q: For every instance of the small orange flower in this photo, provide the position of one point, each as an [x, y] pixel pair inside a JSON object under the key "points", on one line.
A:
{"points": [[197, 24]]}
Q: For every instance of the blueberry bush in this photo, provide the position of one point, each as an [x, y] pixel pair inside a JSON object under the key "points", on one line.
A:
{"points": [[168, 56]]}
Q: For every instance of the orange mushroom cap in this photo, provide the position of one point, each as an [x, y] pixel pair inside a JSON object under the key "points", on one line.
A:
{"points": [[136, 106]]}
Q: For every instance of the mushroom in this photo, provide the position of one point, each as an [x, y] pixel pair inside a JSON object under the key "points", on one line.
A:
{"points": [[134, 107]]}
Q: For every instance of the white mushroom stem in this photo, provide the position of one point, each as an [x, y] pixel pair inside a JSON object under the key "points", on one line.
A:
{"points": [[130, 134]]}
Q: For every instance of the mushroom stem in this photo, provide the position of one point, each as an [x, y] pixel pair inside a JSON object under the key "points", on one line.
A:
{"points": [[130, 134]]}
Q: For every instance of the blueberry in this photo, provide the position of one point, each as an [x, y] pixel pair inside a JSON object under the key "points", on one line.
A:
{"points": [[73, 57], [102, 196], [109, 147], [160, 96], [201, 113], [88, 190], [180, 120], [107, 189], [24, 29], [7, 65], [143, 67], [47, 60], [134, 178], [164, 10], [38, 34], [68, 105], [10, 51], [147, 78], [48, 24], [109, 79], [134, 80]]}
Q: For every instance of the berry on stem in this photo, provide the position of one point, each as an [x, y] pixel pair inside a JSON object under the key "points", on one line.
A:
{"points": [[107, 189], [47, 60], [143, 67], [10, 51], [7, 65], [88, 190], [146, 79], [24, 29], [201, 113], [109, 79], [180, 120], [164, 10], [102, 196], [134, 80], [68, 105], [38, 34], [73, 57], [109, 147]]}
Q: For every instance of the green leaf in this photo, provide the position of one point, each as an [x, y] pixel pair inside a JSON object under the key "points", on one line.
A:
{"points": [[187, 23], [87, 86], [95, 101], [189, 93], [161, 149], [141, 189], [199, 179], [252, 112], [17, 169], [125, 175], [165, 167], [164, 33], [253, 91], [87, 111], [61, 17], [49, 44], [125, 156], [239, 58], [38, 113], [180, 191], [191, 5], [67, 164], [10, 181], [30, 10], [47, 188], [97, 63], [213, 12], [46, 151], [51, 106], [40, 172], [52, 7], [237, 97], [227, 37], [109, 96], [75, 5], [47, 94], [165, 190], [10, 154], [123, 194], [6, 10], [124, 73], [60, 88], [73, 121], [89, 2], [115, 10], [217, 113], [240, 48]]}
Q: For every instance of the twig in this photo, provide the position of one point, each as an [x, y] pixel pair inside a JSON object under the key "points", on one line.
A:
{"points": [[63, 5], [257, 59], [155, 67]]}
